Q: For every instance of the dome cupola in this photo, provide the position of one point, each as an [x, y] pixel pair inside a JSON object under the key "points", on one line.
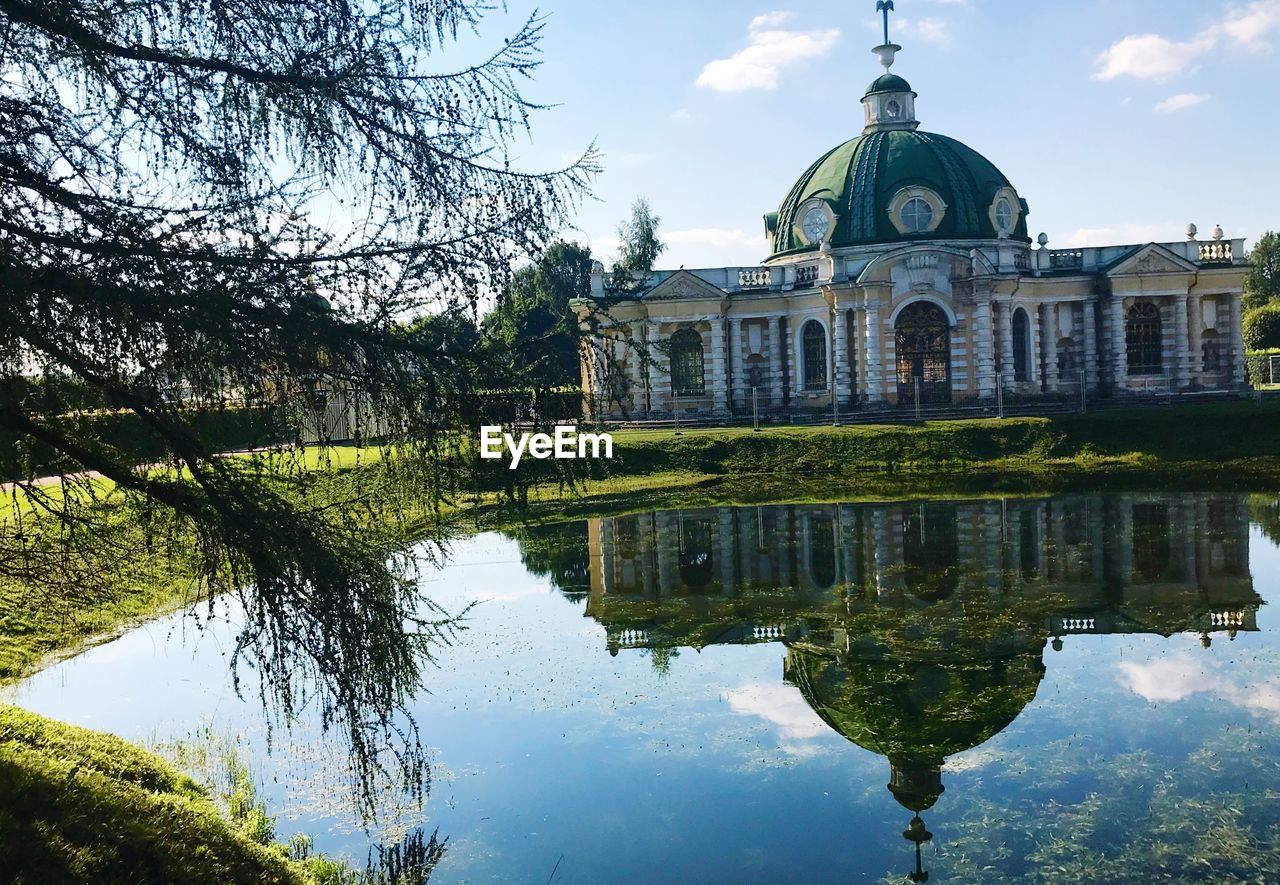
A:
{"points": [[895, 184], [890, 102]]}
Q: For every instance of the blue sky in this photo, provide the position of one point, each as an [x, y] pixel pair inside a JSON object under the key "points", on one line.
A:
{"points": [[1117, 121]]}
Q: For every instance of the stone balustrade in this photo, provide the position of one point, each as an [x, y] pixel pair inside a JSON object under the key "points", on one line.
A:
{"points": [[755, 278], [1220, 252]]}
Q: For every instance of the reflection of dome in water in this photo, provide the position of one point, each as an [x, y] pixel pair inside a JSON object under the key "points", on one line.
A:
{"points": [[916, 713]]}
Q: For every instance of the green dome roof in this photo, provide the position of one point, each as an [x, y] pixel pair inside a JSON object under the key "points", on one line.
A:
{"points": [[889, 83], [859, 179]]}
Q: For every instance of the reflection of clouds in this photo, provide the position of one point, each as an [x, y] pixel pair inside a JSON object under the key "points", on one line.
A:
{"points": [[974, 759], [1168, 679], [783, 707], [1177, 678]]}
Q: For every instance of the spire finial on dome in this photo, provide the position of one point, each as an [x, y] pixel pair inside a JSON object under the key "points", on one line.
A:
{"points": [[888, 49], [886, 7]]}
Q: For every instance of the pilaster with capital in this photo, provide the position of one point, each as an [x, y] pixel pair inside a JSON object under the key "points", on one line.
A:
{"points": [[776, 367], [1119, 350], [1089, 319], [638, 376], [1195, 339], [875, 364], [840, 352], [1181, 342], [718, 383], [1238, 375], [984, 347], [737, 366], [1049, 345], [1004, 314], [659, 373]]}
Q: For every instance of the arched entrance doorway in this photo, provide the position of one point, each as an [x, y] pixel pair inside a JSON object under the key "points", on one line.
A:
{"points": [[923, 336]]}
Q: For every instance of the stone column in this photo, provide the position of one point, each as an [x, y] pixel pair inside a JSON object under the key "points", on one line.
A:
{"points": [[1238, 376], [875, 363], [1181, 349], [840, 352], [639, 372], [1049, 339], [1035, 367], [775, 361], [659, 373], [984, 357], [1119, 350], [718, 383], [1090, 344], [1195, 339], [737, 367], [1005, 314], [598, 404]]}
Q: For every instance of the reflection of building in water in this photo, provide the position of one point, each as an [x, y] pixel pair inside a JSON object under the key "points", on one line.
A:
{"points": [[1153, 564], [917, 630]]}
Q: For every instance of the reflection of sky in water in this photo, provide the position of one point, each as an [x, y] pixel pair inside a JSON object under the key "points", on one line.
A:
{"points": [[550, 749]]}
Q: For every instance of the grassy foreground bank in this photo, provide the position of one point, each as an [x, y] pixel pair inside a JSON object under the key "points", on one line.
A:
{"points": [[85, 807]]}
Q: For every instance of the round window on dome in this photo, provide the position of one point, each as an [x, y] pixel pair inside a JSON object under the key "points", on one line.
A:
{"points": [[815, 225], [893, 110], [917, 216], [1004, 216]]}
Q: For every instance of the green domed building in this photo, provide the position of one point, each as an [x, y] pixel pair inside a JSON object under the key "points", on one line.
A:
{"points": [[900, 269]]}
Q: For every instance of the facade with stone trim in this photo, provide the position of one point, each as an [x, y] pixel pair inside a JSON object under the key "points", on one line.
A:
{"points": [[902, 271]]}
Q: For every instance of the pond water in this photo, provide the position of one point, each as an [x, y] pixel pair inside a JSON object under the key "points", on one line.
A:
{"points": [[1069, 688]]}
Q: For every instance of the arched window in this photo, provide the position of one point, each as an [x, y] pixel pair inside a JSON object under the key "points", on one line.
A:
{"points": [[1142, 339], [813, 342], [923, 339], [686, 363], [1211, 351], [1021, 346]]}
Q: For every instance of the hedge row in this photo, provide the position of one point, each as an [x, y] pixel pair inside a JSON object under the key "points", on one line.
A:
{"points": [[1258, 363], [134, 441]]}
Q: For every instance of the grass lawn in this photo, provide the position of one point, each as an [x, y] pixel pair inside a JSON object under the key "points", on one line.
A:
{"points": [[86, 807]]}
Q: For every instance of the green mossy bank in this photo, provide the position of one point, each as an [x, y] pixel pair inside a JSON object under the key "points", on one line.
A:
{"points": [[86, 807], [1208, 439]]}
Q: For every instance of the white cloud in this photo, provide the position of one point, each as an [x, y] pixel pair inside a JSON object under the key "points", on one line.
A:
{"points": [[1250, 25], [1150, 57], [769, 49], [1124, 234], [714, 236], [1181, 102], [1181, 677], [682, 115], [770, 20], [1159, 59], [783, 707]]}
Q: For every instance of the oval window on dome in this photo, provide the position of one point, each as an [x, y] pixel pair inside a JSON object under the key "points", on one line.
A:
{"points": [[917, 216], [1004, 216], [815, 225], [893, 110]]}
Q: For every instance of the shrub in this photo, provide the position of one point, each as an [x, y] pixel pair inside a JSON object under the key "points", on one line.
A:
{"points": [[1262, 328], [1259, 366]]}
